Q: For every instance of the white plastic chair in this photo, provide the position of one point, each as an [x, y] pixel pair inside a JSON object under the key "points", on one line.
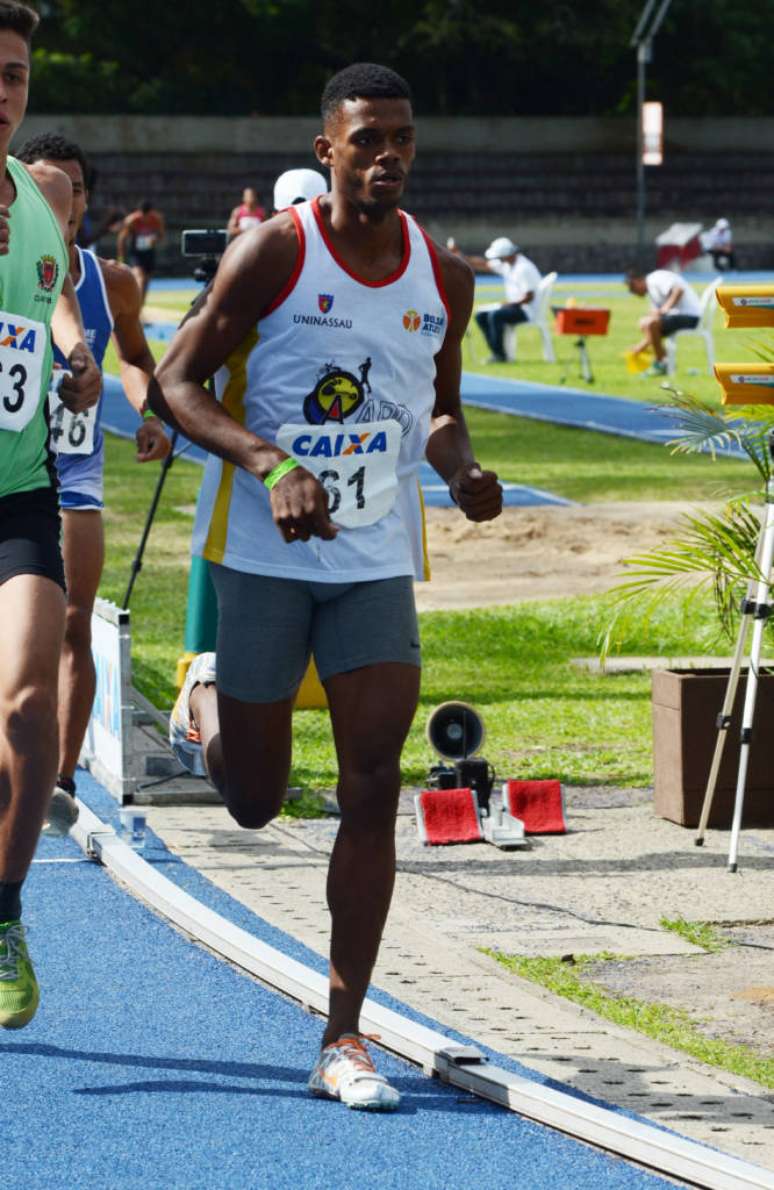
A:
{"points": [[703, 328], [541, 321]]}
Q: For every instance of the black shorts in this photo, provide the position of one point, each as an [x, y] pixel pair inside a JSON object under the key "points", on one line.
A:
{"points": [[30, 535], [146, 260], [677, 322]]}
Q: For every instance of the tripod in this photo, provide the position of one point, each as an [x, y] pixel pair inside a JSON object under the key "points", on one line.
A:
{"points": [[756, 606], [204, 272]]}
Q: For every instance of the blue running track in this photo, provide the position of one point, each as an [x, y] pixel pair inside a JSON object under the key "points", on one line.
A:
{"points": [[152, 1064]]}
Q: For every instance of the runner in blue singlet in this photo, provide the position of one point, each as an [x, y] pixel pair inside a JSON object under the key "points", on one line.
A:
{"points": [[110, 304]]}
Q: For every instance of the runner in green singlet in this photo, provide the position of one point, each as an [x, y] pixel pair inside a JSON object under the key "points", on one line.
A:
{"points": [[36, 297]]}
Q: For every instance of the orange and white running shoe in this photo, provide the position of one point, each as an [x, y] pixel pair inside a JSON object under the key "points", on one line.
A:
{"points": [[346, 1071], [183, 736]]}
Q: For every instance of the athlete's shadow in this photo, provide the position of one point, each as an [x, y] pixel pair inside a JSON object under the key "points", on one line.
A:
{"points": [[250, 1070], [419, 1093]]}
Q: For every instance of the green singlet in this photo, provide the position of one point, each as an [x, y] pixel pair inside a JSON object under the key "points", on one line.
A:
{"points": [[31, 278]]}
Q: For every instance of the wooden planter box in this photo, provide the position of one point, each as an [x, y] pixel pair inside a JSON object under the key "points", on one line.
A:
{"points": [[686, 704]]}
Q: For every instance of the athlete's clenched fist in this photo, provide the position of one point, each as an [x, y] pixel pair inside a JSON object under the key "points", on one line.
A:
{"points": [[82, 383], [299, 506]]}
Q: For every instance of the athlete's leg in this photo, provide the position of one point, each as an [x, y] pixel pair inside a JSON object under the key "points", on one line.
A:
{"points": [[371, 711], [29, 663], [84, 551], [246, 747], [245, 723]]}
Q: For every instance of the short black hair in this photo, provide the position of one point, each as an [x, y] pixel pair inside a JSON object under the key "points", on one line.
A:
{"points": [[362, 80], [18, 18], [50, 146], [146, 205], [636, 271]]}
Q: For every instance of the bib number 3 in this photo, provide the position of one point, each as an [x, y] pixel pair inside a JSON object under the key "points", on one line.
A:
{"points": [[356, 466], [22, 349]]}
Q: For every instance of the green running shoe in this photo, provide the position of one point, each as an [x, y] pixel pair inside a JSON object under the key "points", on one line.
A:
{"points": [[19, 994]]}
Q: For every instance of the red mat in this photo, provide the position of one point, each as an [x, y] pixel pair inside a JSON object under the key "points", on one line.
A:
{"points": [[538, 804], [448, 816]]}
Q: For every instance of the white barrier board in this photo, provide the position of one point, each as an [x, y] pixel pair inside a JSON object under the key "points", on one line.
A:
{"points": [[107, 750]]}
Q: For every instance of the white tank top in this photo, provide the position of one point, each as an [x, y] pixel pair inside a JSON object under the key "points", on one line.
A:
{"points": [[340, 373]]}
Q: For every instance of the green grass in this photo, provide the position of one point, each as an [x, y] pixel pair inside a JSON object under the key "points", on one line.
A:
{"points": [[700, 933], [588, 467], [544, 717], [606, 352], [669, 1025]]}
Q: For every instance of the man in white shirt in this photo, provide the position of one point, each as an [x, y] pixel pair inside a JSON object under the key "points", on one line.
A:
{"points": [[521, 279], [718, 241], [675, 308]]}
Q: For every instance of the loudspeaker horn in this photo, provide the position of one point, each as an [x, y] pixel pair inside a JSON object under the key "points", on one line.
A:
{"points": [[455, 730]]}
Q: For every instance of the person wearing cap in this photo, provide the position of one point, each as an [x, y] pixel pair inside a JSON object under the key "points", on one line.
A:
{"points": [[297, 185], [521, 278], [718, 241]]}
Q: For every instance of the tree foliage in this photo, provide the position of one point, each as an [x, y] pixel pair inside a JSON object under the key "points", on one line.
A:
{"points": [[462, 57]]}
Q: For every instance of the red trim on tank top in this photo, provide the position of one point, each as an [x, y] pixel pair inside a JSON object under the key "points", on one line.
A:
{"points": [[290, 284], [437, 271], [342, 265]]}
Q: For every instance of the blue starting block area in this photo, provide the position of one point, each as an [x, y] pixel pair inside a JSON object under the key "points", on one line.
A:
{"points": [[151, 1063]]}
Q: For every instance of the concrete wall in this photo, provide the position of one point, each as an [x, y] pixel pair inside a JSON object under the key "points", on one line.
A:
{"points": [[497, 134]]}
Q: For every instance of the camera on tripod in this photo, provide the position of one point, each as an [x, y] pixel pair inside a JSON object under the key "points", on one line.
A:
{"points": [[207, 245]]}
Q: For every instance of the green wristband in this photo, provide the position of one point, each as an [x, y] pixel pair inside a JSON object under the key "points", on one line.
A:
{"points": [[279, 471], [147, 414]]}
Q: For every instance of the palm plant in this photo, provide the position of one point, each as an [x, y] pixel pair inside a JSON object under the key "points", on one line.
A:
{"points": [[714, 553]]}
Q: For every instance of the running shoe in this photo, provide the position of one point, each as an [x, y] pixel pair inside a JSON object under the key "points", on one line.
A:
{"points": [[19, 994], [657, 368], [183, 736], [346, 1071], [62, 809]]}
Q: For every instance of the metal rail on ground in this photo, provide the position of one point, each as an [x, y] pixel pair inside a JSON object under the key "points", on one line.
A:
{"points": [[461, 1066]]}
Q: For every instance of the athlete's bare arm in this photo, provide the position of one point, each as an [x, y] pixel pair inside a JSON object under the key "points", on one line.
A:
{"points": [[81, 386], [134, 355], [124, 233], [255, 268], [478, 493], [232, 227]]}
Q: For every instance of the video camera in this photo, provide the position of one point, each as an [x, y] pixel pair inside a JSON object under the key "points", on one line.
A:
{"points": [[207, 245]]}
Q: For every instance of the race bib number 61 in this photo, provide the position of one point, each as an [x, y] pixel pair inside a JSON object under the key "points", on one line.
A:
{"points": [[22, 351], [355, 464]]}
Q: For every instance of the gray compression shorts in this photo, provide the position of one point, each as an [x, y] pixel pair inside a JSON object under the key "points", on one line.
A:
{"points": [[268, 627]]}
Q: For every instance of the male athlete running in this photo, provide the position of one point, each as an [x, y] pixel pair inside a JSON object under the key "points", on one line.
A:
{"points": [[141, 233], [110, 303], [338, 325], [33, 273]]}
